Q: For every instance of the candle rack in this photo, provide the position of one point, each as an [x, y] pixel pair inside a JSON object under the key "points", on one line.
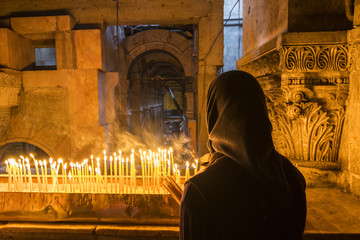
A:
{"points": [[113, 188]]}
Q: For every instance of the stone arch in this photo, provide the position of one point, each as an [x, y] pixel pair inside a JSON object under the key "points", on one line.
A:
{"points": [[30, 141], [158, 39]]}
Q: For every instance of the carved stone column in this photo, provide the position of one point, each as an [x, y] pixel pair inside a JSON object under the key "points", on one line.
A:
{"points": [[10, 85], [306, 84]]}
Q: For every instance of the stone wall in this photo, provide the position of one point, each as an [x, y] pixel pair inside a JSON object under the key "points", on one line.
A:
{"points": [[66, 112], [350, 144], [71, 45], [263, 22]]}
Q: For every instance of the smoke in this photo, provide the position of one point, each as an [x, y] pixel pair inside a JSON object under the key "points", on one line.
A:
{"points": [[180, 143]]}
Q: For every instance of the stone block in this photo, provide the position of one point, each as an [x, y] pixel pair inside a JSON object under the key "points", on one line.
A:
{"points": [[17, 52], [88, 49], [66, 105], [33, 25], [108, 50], [65, 50], [112, 80], [42, 25], [65, 23]]}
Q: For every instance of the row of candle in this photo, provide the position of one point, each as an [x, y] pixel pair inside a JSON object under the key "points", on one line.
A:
{"points": [[111, 174]]}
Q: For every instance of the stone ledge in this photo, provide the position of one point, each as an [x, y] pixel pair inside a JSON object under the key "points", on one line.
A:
{"points": [[318, 165], [332, 215], [293, 39]]}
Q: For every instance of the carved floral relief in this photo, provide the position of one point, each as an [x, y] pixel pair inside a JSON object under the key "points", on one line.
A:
{"points": [[306, 88], [315, 58]]}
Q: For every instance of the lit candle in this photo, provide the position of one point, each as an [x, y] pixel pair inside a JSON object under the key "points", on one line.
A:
{"points": [[65, 185], [142, 170], [91, 183], [126, 174], [24, 171], [196, 166], [105, 168], [92, 167], [46, 180], [57, 173], [120, 167], [115, 172], [111, 175], [172, 159], [178, 177], [42, 172], [122, 175], [21, 175], [71, 184], [37, 174], [51, 169], [187, 171], [60, 161], [9, 174]]}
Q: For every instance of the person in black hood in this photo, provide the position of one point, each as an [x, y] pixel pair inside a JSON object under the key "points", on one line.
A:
{"points": [[248, 190]]}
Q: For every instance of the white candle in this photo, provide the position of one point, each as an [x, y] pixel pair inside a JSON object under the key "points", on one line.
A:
{"points": [[65, 185], [9, 174], [187, 171], [46, 180], [111, 175], [42, 172], [71, 184], [37, 174]]}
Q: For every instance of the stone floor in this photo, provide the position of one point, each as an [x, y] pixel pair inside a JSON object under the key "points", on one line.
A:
{"points": [[332, 215]]}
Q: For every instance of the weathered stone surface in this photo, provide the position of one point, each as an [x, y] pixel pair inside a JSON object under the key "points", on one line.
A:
{"points": [[89, 53], [130, 12], [59, 111], [65, 50], [88, 49], [17, 52], [306, 80], [10, 86], [41, 27], [264, 22], [350, 144], [210, 58]]}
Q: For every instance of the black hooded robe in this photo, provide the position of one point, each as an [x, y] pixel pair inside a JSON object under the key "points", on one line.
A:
{"points": [[249, 190]]}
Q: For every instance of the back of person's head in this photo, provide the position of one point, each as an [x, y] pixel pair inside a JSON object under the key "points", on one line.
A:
{"points": [[237, 117]]}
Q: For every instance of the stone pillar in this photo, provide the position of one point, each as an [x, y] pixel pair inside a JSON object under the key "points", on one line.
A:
{"points": [[306, 80], [210, 58]]}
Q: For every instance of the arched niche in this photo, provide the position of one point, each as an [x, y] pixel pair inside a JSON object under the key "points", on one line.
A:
{"points": [[21, 146], [159, 39], [156, 95]]}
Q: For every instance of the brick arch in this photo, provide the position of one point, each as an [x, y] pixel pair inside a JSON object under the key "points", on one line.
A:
{"points": [[30, 141], [158, 39]]}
